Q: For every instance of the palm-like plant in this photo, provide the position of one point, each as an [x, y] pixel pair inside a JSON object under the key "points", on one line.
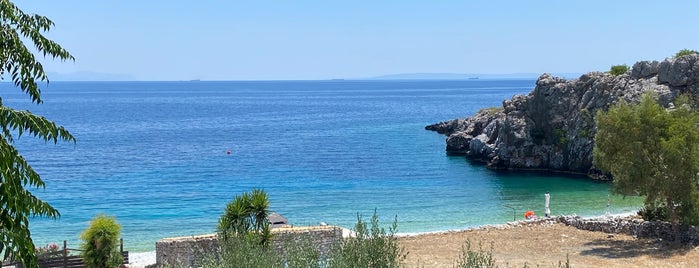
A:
{"points": [[259, 208], [246, 217]]}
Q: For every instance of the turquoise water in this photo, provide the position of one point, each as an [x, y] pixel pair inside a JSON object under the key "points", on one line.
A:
{"points": [[153, 154]]}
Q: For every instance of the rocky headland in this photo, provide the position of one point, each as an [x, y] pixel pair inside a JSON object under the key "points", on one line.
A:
{"points": [[553, 127]]}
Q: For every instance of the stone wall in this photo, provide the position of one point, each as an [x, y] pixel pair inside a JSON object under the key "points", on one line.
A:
{"points": [[181, 251], [632, 226]]}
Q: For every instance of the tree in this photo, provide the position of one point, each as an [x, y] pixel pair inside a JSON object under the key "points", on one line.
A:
{"points": [[19, 65], [100, 247], [654, 152]]}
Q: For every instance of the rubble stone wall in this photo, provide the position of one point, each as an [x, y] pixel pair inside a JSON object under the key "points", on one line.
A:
{"points": [[183, 251]]}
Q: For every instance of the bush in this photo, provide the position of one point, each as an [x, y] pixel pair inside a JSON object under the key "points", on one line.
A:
{"points": [[560, 137], [471, 258], [241, 252], [653, 212], [619, 69], [100, 248], [49, 251], [685, 52], [491, 110], [302, 253], [369, 247]]}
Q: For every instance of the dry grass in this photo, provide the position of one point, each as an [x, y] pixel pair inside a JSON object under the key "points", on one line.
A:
{"points": [[544, 245]]}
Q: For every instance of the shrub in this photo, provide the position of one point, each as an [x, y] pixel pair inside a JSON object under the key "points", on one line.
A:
{"points": [[369, 247], [472, 258], [654, 212], [560, 137], [302, 253], [619, 69], [100, 248], [241, 252], [685, 52], [49, 251], [491, 110]]}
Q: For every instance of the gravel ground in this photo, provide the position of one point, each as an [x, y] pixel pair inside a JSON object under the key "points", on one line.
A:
{"points": [[544, 245]]}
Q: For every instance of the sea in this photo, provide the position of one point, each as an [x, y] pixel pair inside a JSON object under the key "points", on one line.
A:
{"points": [[164, 158]]}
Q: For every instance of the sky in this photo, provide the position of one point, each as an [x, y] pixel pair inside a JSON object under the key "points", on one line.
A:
{"points": [[307, 40]]}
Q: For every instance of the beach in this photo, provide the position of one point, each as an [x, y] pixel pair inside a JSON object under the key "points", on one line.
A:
{"points": [[542, 243]]}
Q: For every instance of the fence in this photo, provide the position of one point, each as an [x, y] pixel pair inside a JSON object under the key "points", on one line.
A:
{"points": [[70, 261]]}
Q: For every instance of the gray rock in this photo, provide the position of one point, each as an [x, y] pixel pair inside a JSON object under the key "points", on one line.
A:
{"points": [[683, 71], [645, 69], [553, 127]]}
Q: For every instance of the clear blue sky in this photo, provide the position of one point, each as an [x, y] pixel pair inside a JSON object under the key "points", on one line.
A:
{"points": [[260, 40]]}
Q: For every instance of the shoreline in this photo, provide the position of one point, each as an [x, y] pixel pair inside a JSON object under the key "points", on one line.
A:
{"points": [[142, 259], [510, 223]]}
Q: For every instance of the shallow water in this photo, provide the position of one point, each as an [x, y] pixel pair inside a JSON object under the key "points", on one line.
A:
{"points": [[153, 154]]}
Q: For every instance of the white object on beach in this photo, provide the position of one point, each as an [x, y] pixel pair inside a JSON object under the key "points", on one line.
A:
{"points": [[141, 259]]}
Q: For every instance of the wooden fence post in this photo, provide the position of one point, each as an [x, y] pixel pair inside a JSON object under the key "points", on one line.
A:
{"points": [[65, 254]]}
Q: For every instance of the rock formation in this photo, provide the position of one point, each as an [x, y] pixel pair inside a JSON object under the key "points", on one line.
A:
{"points": [[552, 128]]}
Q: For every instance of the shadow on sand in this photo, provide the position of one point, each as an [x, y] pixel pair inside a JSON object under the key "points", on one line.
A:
{"points": [[656, 248]]}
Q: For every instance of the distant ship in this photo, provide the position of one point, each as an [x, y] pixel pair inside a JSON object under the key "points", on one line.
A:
{"points": [[473, 78]]}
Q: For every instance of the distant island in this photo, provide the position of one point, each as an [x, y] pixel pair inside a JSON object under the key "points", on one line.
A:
{"points": [[89, 76], [465, 76]]}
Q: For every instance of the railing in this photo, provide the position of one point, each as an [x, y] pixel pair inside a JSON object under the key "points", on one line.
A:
{"points": [[70, 261], [514, 212]]}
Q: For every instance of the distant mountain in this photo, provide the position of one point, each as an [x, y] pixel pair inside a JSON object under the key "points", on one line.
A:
{"points": [[88, 76], [463, 76]]}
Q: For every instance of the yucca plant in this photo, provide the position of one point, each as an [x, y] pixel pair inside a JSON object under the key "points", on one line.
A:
{"points": [[246, 217]]}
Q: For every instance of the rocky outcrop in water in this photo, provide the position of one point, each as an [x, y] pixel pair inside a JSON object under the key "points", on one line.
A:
{"points": [[552, 128]]}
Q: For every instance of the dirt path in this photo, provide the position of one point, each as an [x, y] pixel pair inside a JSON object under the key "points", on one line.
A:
{"points": [[544, 245]]}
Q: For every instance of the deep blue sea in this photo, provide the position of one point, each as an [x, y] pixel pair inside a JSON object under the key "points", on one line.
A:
{"points": [[154, 155]]}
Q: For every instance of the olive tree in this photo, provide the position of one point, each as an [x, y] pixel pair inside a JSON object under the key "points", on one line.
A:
{"points": [[20, 66], [654, 152]]}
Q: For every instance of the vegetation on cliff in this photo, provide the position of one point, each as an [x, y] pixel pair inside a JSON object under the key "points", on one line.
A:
{"points": [[619, 69], [685, 52]]}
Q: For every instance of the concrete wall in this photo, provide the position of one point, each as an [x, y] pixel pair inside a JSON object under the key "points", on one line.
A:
{"points": [[181, 251]]}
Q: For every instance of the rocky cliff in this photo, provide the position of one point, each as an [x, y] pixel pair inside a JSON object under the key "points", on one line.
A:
{"points": [[552, 128]]}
